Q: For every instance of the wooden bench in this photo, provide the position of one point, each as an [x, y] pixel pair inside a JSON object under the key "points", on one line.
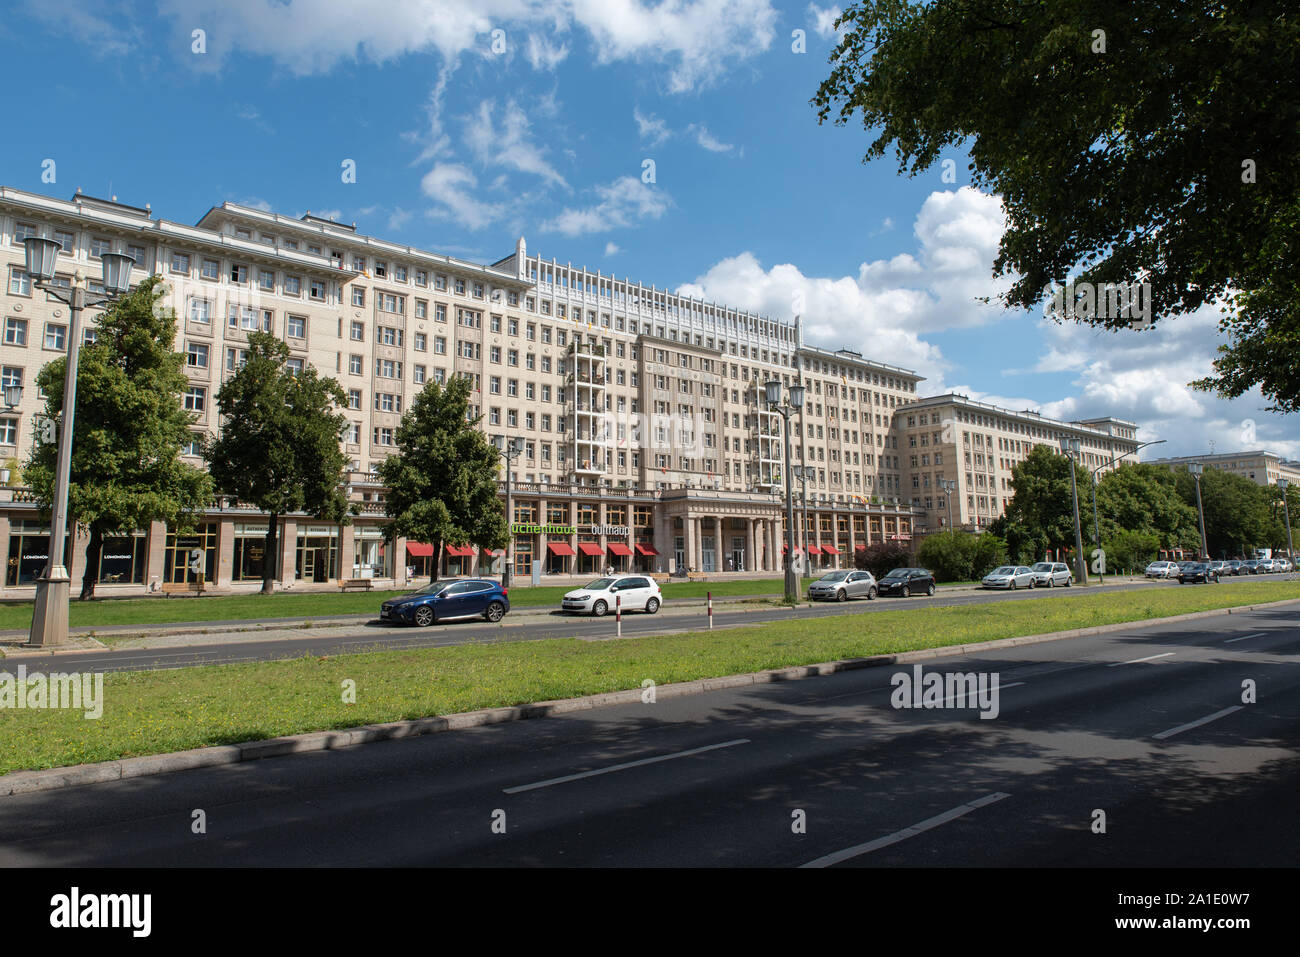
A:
{"points": [[697, 576], [347, 584], [662, 579]]}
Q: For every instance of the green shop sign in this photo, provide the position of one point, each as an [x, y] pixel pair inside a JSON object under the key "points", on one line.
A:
{"points": [[519, 528]]}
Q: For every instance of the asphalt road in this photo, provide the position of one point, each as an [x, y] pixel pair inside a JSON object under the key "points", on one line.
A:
{"points": [[375, 635], [1149, 728]]}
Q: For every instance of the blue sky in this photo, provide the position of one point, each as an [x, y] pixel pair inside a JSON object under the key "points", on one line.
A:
{"points": [[465, 138]]}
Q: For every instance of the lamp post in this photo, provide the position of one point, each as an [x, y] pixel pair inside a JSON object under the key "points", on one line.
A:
{"points": [[1286, 508], [949, 486], [794, 403], [509, 453], [1096, 527], [1070, 447], [804, 473], [50, 610], [1196, 468]]}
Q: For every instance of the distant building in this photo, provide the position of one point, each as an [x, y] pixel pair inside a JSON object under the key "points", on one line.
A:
{"points": [[1260, 466]]}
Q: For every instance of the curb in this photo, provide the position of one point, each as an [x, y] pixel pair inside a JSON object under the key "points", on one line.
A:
{"points": [[26, 782]]}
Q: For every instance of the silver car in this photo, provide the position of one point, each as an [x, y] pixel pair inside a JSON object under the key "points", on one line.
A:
{"points": [[1009, 576], [1051, 574], [843, 585], [1162, 570]]}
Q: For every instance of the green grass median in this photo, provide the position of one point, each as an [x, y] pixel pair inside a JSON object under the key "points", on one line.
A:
{"points": [[157, 712], [163, 611]]}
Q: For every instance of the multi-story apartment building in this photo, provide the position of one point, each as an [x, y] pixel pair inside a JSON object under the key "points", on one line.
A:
{"points": [[974, 445], [646, 441], [1260, 466]]}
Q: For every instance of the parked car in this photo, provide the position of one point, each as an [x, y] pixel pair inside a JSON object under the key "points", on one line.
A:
{"points": [[906, 582], [1219, 568], [631, 592], [1009, 576], [1252, 566], [843, 585], [1234, 567], [1051, 574], [1162, 570], [1198, 572], [1287, 565], [448, 599], [1265, 567]]}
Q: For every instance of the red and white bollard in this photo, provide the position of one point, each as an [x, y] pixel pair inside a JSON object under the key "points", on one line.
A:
{"points": [[618, 614], [710, 594]]}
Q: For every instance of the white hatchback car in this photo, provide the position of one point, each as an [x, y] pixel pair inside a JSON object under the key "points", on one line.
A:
{"points": [[1052, 574], [1009, 576], [630, 592], [1162, 570]]}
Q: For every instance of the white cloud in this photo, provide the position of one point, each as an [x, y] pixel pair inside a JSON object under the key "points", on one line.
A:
{"points": [[696, 40], [99, 25], [651, 128], [256, 203], [622, 203], [823, 20], [449, 185], [708, 140], [398, 218], [612, 249], [510, 145]]}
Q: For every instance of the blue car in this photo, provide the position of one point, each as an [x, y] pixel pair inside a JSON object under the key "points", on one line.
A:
{"points": [[448, 599]]}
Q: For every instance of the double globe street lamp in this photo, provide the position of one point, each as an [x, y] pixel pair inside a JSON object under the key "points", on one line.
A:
{"points": [[50, 613], [509, 452], [793, 404]]}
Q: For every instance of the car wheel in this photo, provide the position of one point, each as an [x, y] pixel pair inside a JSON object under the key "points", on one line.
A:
{"points": [[871, 593], [842, 595], [907, 591], [424, 616], [1014, 586], [652, 606], [1051, 583], [600, 608], [930, 589], [495, 611]]}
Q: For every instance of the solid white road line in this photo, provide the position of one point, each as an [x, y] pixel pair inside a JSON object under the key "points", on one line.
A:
{"points": [[623, 767], [1135, 661], [1197, 723], [859, 849], [1228, 641]]}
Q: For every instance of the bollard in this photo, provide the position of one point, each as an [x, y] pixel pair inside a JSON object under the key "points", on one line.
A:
{"points": [[618, 614], [710, 594]]}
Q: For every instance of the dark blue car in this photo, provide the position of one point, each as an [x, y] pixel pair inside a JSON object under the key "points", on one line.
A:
{"points": [[447, 599]]}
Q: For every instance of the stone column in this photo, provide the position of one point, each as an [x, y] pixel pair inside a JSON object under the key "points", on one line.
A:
{"points": [[156, 553], [543, 555], [688, 531], [698, 562], [289, 550], [751, 555], [721, 547], [348, 550], [4, 548], [225, 552]]}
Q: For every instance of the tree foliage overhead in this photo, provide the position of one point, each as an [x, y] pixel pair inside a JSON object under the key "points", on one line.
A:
{"points": [[442, 483], [279, 442], [1163, 152], [129, 428]]}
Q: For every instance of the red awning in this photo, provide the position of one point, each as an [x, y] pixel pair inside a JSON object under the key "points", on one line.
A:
{"points": [[860, 547], [646, 549], [786, 548], [460, 551], [617, 549], [830, 550], [419, 550], [494, 552], [590, 548], [559, 548], [814, 550]]}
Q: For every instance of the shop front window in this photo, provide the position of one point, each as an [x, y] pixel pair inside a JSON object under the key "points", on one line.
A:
{"points": [[189, 556], [29, 549], [316, 555], [122, 559], [371, 554]]}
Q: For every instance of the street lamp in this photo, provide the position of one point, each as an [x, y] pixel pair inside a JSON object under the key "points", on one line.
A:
{"points": [[509, 453], [13, 395], [804, 473], [1282, 484], [1070, 448], [50, 611], [793, 404], [1096, 527], [949, 486], [1196, 468]]}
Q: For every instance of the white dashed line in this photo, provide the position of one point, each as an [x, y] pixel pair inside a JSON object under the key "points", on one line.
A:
{"points": [[1261, 634], [1136, 661], [1197, 723], [623, 767]]}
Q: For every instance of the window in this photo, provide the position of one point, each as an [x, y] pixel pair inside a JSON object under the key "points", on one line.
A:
{"points": [[99, 245], [358, 296], [180, 263], [388, 402], [244, 317], [23, 231], [235, 359], [354, 398], [266, 280], [421, 309], [354, 365], [381, 269], [421, 342], [296, 327], [439, 345], [194, 446], [440, 312], [358, 330], [201, 310], [196, 399], [196, 355], [388, 369], [388, 302], [421, 278], [20, 284], [316, 290], [56, 335], [417, 375], [294, 366], [293, 285], [238, 273]]}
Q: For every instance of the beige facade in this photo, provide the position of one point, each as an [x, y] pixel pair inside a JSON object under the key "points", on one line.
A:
{"points": [[1260, 466], [640, 410]]}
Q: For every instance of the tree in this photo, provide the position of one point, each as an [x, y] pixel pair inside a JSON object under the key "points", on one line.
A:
{"points": [[959, 556], [1140, 497], [1130, 551], [279, 442], [879, 557], [129, 428], [442, 483], [1040, 515], [1129, 143], [1237, 517]]}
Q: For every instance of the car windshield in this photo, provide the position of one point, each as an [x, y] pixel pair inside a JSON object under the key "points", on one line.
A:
{"points": [[600, 584], [834, 577], [1043, 567], [1004, 570], [899, 573], [433, 588]]}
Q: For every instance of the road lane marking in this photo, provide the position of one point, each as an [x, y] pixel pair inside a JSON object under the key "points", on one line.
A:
{"points": [[623, 767], [1197, 723], [1244, 637], [1135, 661], [859, 849]]}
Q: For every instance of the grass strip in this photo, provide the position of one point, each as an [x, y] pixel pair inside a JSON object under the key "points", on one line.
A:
{"points": [[162, 711]]}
